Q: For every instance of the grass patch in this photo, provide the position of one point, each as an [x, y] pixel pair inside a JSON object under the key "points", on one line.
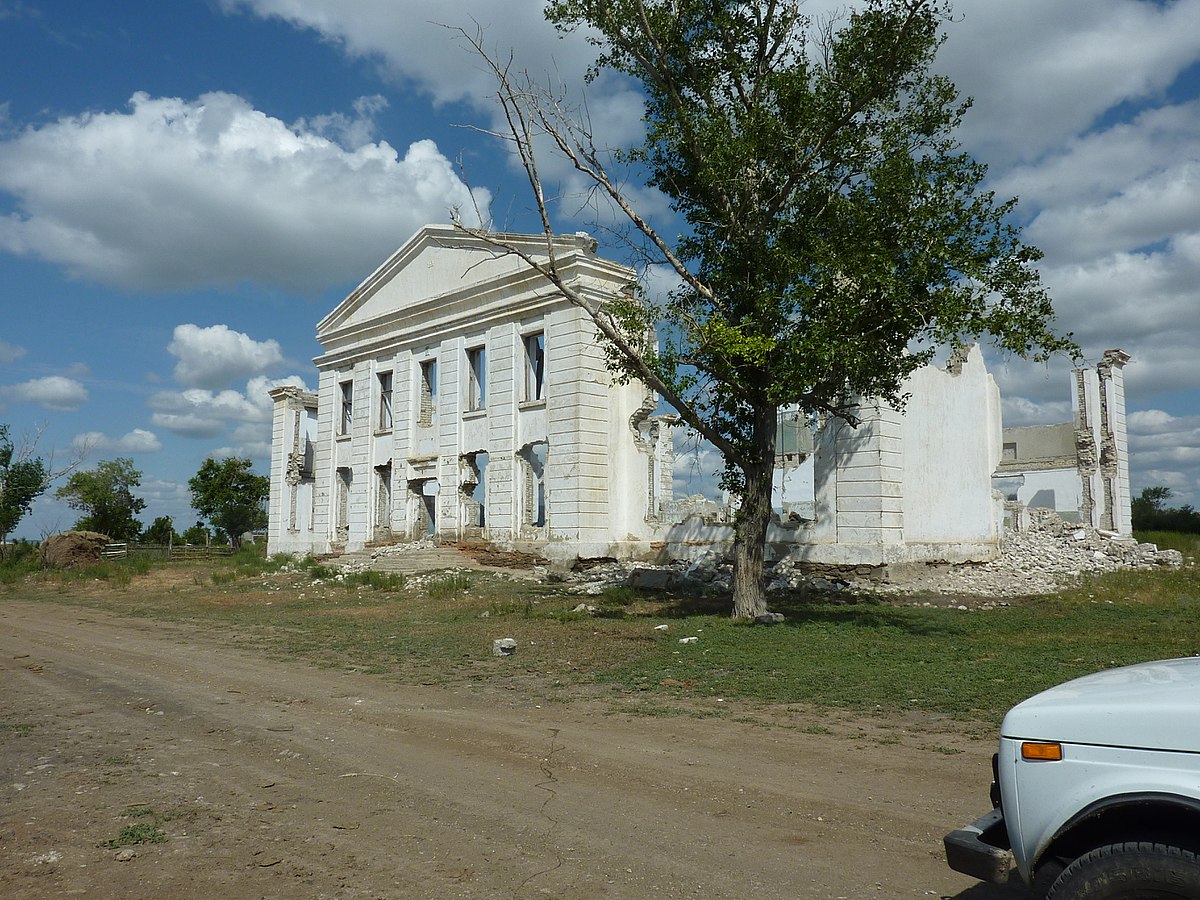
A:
{"points": [[16, 729], [141, 832], [860, 655], [449, 585]]}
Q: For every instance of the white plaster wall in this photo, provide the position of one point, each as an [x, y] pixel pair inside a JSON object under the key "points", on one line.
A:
{"points": [[1065, 484], [949, 433]]}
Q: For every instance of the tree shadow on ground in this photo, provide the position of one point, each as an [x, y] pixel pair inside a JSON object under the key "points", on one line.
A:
{"points": [[800, 610]]}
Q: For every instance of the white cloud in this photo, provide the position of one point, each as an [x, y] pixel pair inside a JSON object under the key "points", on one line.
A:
{"points": [[1042, 72], [200, 413], [55, 393], [136, 441], [10, 353], [215, 356], [178, 194], [1019, 411]]}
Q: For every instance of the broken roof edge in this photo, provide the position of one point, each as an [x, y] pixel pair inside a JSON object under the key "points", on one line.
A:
{"points": [[579, 244]]}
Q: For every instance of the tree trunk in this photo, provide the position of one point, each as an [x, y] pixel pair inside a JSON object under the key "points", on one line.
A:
{"points": [[753, 517]]}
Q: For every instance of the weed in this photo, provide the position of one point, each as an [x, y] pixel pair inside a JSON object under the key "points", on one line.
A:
{"points": [[816, 729], [142, 833], [378, 581], [449, 585], [511, 607]]}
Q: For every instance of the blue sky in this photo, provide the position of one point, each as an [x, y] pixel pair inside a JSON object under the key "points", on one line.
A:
{"points": [[186, 188]]}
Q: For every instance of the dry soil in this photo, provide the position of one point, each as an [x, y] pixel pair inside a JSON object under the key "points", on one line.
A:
{"points": [[278, 779]]}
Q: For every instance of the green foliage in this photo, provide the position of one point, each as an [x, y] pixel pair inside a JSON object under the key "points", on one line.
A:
{"points": [[197, 535], [161, 531], [105, 495], [836, 235], [377, 581], [230, 496], [22, 480], [1149, 513]]}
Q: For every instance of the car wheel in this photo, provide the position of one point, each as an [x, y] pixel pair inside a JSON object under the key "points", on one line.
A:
{"points": [[1130, 871]]}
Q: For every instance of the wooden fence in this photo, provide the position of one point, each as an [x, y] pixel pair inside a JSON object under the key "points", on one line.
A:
{"points": [[170, 552]]}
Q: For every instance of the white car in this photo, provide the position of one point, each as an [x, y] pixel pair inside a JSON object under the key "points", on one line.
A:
{"points": [[1096, 789]]}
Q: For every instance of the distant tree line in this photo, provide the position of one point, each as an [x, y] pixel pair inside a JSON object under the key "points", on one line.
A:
{"points": [[226, 493], [1151, 514]]}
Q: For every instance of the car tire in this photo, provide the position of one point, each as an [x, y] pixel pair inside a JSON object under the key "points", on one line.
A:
{"points": [[1130, 871]]}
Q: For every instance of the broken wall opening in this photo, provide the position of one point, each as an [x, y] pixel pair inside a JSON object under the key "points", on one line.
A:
{"points": [[473, 487], [344, 479], [532, 465], [422, 502], [383, 501]]}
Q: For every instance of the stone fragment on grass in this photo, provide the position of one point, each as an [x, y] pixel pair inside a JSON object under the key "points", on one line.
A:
{"points": [[504, 647]]}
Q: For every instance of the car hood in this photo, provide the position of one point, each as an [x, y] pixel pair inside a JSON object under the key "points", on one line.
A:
{"points": [[1151, 705]]}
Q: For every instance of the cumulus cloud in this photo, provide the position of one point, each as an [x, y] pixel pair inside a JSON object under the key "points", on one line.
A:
{"points": [[201, 413], [419, 47], [55, 393], [215, 356], [175, 193], [10, 353], [1042, 72], [136, 441]]}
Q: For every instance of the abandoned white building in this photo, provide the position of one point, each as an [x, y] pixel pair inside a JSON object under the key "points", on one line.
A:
{"points": [[460, 395], [1079, 469]]}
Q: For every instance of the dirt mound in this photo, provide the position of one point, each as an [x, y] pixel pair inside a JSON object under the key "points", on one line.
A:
{"points": [[72, 548]]}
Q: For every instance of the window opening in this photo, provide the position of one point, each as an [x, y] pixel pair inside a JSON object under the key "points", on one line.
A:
{"points": [[428, 403], [347, 419], [535, 365], [477, 378], [385, 401]]}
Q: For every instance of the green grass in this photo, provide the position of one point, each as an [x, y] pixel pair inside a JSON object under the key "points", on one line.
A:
{"points": [[146, 832], [856, 654]]}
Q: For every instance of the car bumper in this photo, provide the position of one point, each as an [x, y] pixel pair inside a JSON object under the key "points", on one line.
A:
{"points": [[981, 849]]}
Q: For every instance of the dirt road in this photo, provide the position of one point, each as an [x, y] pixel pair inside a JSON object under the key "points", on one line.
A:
{"points": [[277, 779]]}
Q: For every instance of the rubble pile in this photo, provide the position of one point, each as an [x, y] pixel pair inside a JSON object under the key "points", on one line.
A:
{"points": [[1041, 559], [1050, 554]]}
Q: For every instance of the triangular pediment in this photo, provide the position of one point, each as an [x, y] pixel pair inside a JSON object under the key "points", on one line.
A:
{"points": [[439, 261]]}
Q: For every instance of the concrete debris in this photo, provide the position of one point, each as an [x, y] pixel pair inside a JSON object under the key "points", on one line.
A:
{"points": [[689, 640], [504, 647], [406, 547], [1041, 559]]}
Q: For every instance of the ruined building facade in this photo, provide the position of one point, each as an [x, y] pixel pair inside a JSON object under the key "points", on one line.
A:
{"points": [[459, 395], [1078, 469]]}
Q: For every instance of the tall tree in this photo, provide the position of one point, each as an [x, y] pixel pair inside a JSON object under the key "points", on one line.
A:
{"points": [[160, 531], [835, 236], [23, 478], [230, 496], [105, 496]]}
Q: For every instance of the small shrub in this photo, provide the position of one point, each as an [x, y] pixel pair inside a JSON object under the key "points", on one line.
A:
{"points": [[449, 585], [142, 833]]}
